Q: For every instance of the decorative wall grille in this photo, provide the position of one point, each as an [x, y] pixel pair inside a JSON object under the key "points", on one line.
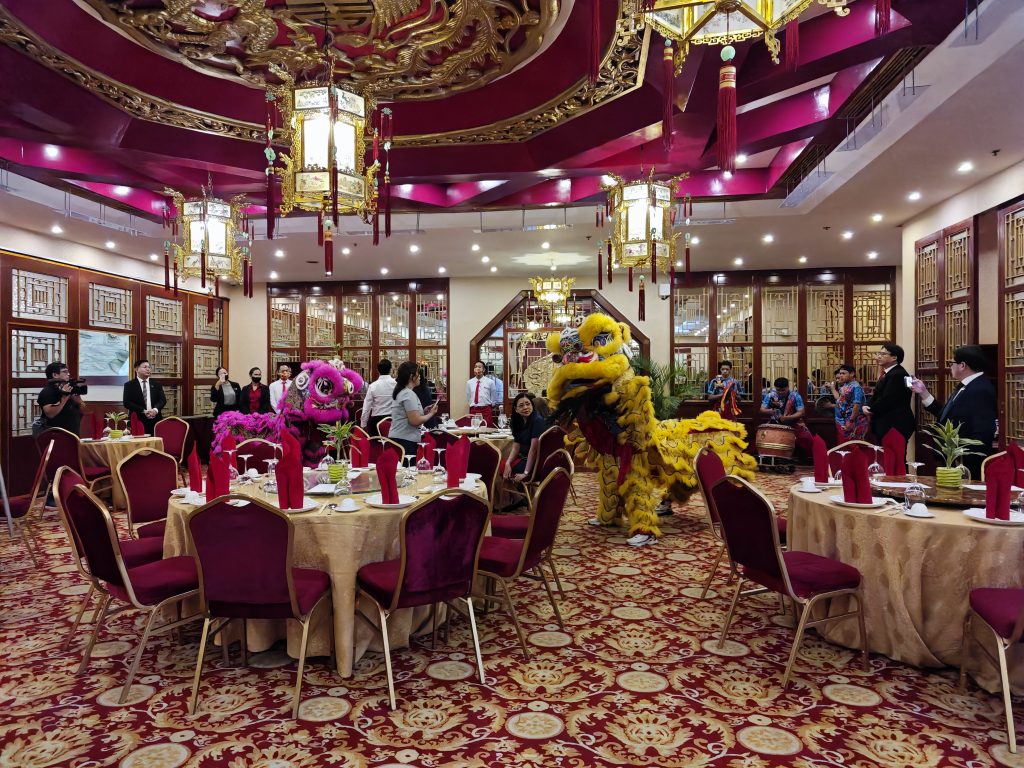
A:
{"points": [[110, 307], [32, 351], [958, 263], [173, 394], [1011, 329], [208, 330], [357, 321], [690, 315], [431, 319], [164, 359], [284, 322], [35, 296], [201, 403], [23, 410], [825, 306], [393, 320], [205, 360], [321, 327], [780, 312], [927, 272], [163, 316]]}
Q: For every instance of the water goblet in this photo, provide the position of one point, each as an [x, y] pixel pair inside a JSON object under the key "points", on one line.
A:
{"points": [[245, 466], [444, 419], [438, 451], [913, 465], [913, 494], [876, 471], [502, 421], [838, 474], [423, 462], [232, 467]]}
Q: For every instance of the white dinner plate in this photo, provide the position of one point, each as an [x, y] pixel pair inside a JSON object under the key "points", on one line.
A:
{"points": [[808, 490], [876, 502], [1016, 517], [981, 487], [912, 513], [308, 505], [374, 500], [827, 484], [193, 501]]}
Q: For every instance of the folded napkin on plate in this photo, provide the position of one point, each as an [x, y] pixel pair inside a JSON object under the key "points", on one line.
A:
{"points": [[228, 444], [1017, 454], [97, 427], [135, 425], [458, 461], [894, 453], [387, 469], [195, 472], [426, 448], [856, 485], [999, 474], [359, 449], [820, 453], [290, 488], [217, 478]]}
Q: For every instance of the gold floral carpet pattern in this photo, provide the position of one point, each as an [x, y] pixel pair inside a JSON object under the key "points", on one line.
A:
{"points": [[636, 679]]}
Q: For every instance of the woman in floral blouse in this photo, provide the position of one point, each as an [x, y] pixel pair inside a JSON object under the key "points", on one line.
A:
{"points": [[851, 422]]}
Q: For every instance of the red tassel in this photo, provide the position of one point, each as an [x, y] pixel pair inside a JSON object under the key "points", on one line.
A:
{"points": [[320, 228], [209, 309], [328, 253], [792, 52], [376, 226], [270, 206], [216, 286], [597, 217], [727, 118], [167, 266], [654, 260], [387, 204], [669, 67], [202, 263], [175, 279], [642, 309], [882, 13], [686, 262], [252, 288], [600, 266], [245, 279], [630, 279], [608, 246], [595, 42]]}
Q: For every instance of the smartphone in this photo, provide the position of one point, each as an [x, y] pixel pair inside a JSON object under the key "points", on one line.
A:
{"points": [[908, 380]]}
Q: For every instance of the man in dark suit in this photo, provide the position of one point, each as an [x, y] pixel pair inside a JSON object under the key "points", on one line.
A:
{"points": [[144, 396], [972, 406], [890, 403]]}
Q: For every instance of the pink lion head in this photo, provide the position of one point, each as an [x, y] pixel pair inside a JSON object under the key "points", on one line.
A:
{"points": [[330, 386]]}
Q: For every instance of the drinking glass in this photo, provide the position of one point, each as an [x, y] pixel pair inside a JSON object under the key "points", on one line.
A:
{"points": [[232, 467], [245, 467], [437, 464], [839, 472], [913, 465], [502, 421], [876, 470], [913, 494], [444, 419], [476, 421], [270, 486], [423, 463]]}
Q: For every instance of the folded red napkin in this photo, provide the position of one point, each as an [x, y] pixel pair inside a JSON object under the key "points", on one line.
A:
{"points": [[282, 476], [222, 472], [894, 453], [856, 485], [290, 488], [195, 472], [135, 425], [97, 427], [214, 475], [228, 444], [458, 461], [999, 476], [426, 448], [820, 453], [1017, 454], [387, 469], [359, 449]]}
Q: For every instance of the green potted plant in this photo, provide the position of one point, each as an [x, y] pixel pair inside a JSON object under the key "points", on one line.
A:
{"points": [[665, 404], [116, 418], [951, 447], [336, 434]]}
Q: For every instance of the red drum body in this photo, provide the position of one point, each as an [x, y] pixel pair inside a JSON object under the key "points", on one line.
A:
{"points": [[775, 440]]}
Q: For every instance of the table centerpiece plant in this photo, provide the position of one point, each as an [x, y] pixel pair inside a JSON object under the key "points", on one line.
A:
{"points": [[950, 446], [116, 418], [336, 434]]}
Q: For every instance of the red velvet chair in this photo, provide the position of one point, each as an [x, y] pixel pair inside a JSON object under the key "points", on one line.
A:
{"points": [[464, 421], [174, 432], [151, 587], [20, 507], [551, 440], [148, 477], [1001, 610], [485, 460], [384, 427], [260, 451], [751, 535], [835, 459], [443, 439], [244, 559], [710, 470], [378, 444], [506, 559], [66, 453], [451, 522]]}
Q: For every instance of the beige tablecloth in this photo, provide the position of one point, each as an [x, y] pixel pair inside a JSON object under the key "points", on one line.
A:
{"points": [[107, 453], [339, 543], [917, 576]]}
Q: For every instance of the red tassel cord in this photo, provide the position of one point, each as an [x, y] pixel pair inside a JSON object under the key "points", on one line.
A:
{"points": [[320, 228], [328, 252], [630, 273], [597, 217], [686, 260], [271, 155], [669, 69], [600, 266], [387, 132], [883, 22], [209, 309], [167, 265], [245, 278], [595, 42], [387, 199], [642, 308], [271, 213], [251, 286], [202, 263], [727, 112], [216, 286], [792, 52], [175, 279], [608, 253]]}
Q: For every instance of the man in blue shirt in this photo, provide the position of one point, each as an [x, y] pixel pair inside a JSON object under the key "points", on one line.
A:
{"points": [[786, 407]]}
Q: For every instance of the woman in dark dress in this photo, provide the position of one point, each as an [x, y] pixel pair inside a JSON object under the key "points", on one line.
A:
{"points": [[527, 427], [427, 393]]}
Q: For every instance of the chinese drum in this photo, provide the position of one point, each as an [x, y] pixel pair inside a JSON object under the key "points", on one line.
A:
{"points": [[776, 440]]}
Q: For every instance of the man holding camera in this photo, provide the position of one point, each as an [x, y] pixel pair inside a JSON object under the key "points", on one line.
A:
{"points": [[144, 396], [61, 399]]}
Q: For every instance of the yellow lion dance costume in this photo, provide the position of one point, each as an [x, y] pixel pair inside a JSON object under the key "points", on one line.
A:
{"points": [[638, 458]]}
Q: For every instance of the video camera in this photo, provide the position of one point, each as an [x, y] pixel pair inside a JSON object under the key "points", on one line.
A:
{"points": [[78, 386]]}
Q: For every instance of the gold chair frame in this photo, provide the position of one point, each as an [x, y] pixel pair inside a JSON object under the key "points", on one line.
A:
{"points": [[24, 524], [181, 460], [82, 570], [714, 527], [127, 499], [987, 459], [80, 469]]}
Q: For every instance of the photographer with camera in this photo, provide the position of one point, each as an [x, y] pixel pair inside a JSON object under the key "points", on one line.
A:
{"points": [[61, 399]]}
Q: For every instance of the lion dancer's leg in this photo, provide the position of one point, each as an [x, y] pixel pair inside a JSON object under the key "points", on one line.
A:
{"points": [[608, 488], [642, 495]]}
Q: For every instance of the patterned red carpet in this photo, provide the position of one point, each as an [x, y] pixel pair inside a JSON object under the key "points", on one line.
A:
{"points": [[635, 680]]}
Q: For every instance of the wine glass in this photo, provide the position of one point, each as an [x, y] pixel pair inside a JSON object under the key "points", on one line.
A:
{"points": [[232, 467], [444, 419], [423, 462], [913, 494], [245, 465], [876, 471], [271, 485], [476, 421], [437, 464], [502, 421], [913, 465], [838, 474]]}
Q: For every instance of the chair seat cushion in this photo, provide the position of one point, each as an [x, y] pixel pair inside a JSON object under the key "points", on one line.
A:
{"points": [[380, 580], [95, 473], [812, 574], [152, 530], [137, 552], [510, 526], [157, 581], [310, 586], [500, 556], [20, 505], [998, 607]]}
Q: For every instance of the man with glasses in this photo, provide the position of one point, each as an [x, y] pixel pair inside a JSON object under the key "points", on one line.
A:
{"points": [[889, 407], [971, 406]]}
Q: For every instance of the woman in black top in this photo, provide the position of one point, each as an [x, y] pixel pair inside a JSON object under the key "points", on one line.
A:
{"points": [[527, 427], [427, 393], [225, 394]]}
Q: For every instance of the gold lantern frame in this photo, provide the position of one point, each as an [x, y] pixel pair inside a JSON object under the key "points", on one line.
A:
{"points": [[189, 255], [635, 243], [552, 293]]}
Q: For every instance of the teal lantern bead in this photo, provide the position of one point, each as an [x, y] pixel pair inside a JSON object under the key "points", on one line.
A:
{"points": [[728, 53]]}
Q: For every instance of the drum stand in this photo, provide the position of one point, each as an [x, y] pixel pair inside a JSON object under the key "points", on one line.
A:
{"points": [[775, 464]]}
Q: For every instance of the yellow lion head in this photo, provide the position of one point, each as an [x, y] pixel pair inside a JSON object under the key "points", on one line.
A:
{"points": [[591, 354]]}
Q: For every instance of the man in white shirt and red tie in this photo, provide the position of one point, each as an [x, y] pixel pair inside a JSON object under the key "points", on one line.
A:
{"points": [[481, 394]]}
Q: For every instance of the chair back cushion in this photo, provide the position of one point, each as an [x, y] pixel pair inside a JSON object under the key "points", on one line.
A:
{"points": [[260, 452], [174, 433], [65, 451], [550, 441], [440, 543], [464, 421], [709, 471], [484, 460], [243, 553], [148, 477], [559, 458], [384, 427], [749, 529], [547, 512], [835, 459], [88, 520]]}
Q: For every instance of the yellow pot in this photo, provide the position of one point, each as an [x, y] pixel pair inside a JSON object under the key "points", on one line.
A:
{"points": [[336, 472], [949, 477], [116, 434]]}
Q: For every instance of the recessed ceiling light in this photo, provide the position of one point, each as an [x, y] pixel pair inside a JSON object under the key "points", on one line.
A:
{"points": [[494, 269], [414, 248], [694, 241], [872, 254], [279, 253], [57, 229], [914, 196], [679, 263], [110, 243], [876, 217], [738, 261], [346, 251], [474, 247], [383, 270], [122, 190], [153, 257], [965, 167], [553, 267], [847, 235], [727, 174], [741, 158], [51, 151], [441, 270], [768, 239], [273, 275], [485, 259], [545, 244], [802, 259]]}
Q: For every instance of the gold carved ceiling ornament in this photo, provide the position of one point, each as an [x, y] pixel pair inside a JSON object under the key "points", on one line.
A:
{"points": [[398, 50]]}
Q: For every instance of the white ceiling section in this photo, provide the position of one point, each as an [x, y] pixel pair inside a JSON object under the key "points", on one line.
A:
{"points": [[966, 107]]}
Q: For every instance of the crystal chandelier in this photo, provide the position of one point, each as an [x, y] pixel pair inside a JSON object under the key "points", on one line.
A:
{"points": [[552, 293]]}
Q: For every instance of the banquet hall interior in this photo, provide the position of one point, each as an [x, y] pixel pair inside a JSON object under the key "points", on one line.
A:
{"points": [[595, 202]]}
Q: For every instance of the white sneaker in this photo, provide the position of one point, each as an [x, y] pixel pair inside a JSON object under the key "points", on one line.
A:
{"points": [[641, 540], [594, 521]]}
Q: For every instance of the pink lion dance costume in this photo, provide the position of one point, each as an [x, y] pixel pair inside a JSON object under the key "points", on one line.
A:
{"points": [[320, 394]]}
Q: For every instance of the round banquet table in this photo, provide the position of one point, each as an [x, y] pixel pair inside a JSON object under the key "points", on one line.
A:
{"points": [[339, 543], [917, 574], [109, 453]]}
